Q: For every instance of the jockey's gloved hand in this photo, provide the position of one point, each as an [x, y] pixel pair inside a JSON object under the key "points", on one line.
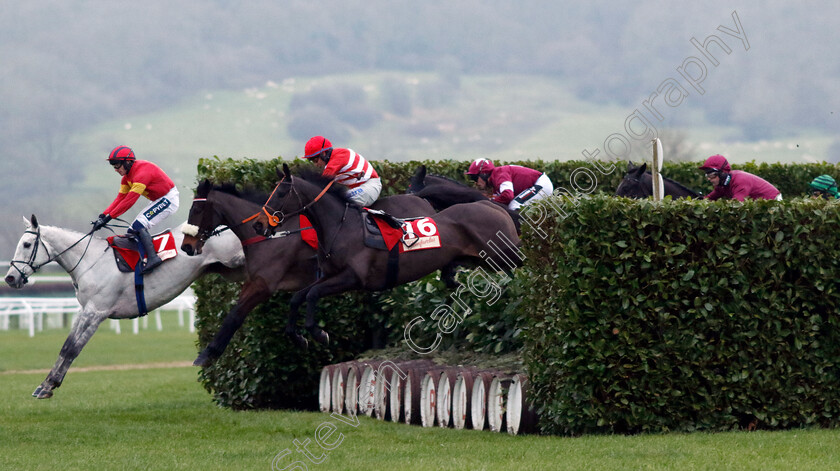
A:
{"points": [[101, 221]]}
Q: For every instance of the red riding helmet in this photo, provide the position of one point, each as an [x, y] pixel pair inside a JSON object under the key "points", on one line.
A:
{"points": [[316, 146], [480, 166], [121, 154], [716, 163]]}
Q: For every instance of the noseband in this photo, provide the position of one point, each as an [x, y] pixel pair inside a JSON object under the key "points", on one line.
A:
{"points": [[31, 262], [204, 234], [643, 188], [201, 234], [277, 217]]}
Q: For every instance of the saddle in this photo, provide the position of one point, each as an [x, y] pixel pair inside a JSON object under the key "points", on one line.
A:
{"points": [[382, 231], [385, 232], [127, 256], [394, 235], [526, 195]]}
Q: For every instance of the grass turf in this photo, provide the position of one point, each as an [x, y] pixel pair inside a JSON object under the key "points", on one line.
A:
{"points": [[161, 418]]}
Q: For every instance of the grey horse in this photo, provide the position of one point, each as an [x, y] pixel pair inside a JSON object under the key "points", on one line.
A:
{"points": [[102, 290]]}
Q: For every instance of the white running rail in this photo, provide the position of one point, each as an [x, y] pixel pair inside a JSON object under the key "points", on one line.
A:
{"points": [[32, 312]]}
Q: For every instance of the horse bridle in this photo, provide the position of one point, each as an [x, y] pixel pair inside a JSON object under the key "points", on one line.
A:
{"points": [[31, 262], [203, 234], [277, 217], [32, 255], [274, 220], [645, 189]]}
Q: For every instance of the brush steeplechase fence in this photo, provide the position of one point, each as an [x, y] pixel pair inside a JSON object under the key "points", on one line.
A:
{"points": [[629, 316], [420, 392]]}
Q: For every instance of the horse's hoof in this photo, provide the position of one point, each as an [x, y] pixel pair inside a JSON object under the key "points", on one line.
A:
{"points": [[321, 337], [204, 359], [43, 393], [37, 391], [301, 341]]}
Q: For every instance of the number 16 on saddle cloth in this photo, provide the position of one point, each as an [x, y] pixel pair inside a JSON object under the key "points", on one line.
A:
{"points": [[420, 234]]}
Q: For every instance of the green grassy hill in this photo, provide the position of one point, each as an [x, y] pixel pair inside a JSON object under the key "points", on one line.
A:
{"points": [[499, 117]]}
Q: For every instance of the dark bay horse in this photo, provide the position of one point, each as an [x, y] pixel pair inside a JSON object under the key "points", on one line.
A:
{"points": [[637, 183], [271, 264], [442, 192], [465, 233]]}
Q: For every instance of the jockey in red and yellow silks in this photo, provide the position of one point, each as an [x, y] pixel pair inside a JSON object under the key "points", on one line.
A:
{"points": [[347, 167], [140, 177], [144, 178]]}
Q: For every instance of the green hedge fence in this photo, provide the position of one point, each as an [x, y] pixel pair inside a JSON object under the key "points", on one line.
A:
{"points": [[684, 315], [615, 340]]}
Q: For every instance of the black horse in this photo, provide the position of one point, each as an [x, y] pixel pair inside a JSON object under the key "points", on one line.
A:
{"points": [[442, 192], [638, 183], [272, 265], [464, 234]]}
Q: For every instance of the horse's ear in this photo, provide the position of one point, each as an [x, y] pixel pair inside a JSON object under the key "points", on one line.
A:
{"points": [[286, 172], [203, 188], [420, 173], [34, 222], [643, 168], [630, 166]]}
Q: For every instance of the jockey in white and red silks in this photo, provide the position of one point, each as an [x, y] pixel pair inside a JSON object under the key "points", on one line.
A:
{"points": [[346, 167]]}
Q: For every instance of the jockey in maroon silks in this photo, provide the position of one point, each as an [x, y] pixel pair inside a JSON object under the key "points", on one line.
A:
{"points": [[140, 177], [513, 185], [736, 184], [347, 167]]}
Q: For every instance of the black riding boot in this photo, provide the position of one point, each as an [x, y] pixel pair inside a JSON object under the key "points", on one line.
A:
{"points": [[152, 259]]}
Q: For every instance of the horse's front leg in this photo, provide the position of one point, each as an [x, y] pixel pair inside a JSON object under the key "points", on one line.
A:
{"points": [[294, 309], [253, 293], [325, 287], [81, 332]]}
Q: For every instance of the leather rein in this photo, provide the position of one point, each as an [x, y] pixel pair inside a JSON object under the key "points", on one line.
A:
{"points": [[277, 217], [38, 243]]}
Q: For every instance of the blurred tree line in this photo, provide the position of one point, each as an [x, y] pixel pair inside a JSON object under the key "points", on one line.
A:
{"points": [[67, 66]]}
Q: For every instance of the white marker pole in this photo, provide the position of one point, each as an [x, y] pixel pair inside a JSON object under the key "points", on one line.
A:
{"points": [[658, 183]]}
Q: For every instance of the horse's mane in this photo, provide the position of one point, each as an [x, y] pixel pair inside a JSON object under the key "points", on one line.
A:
{"points": [[674, 182], [648, 177], [339, 191], [248, 193], [444, 177], [56, 229], [456, 192]]}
